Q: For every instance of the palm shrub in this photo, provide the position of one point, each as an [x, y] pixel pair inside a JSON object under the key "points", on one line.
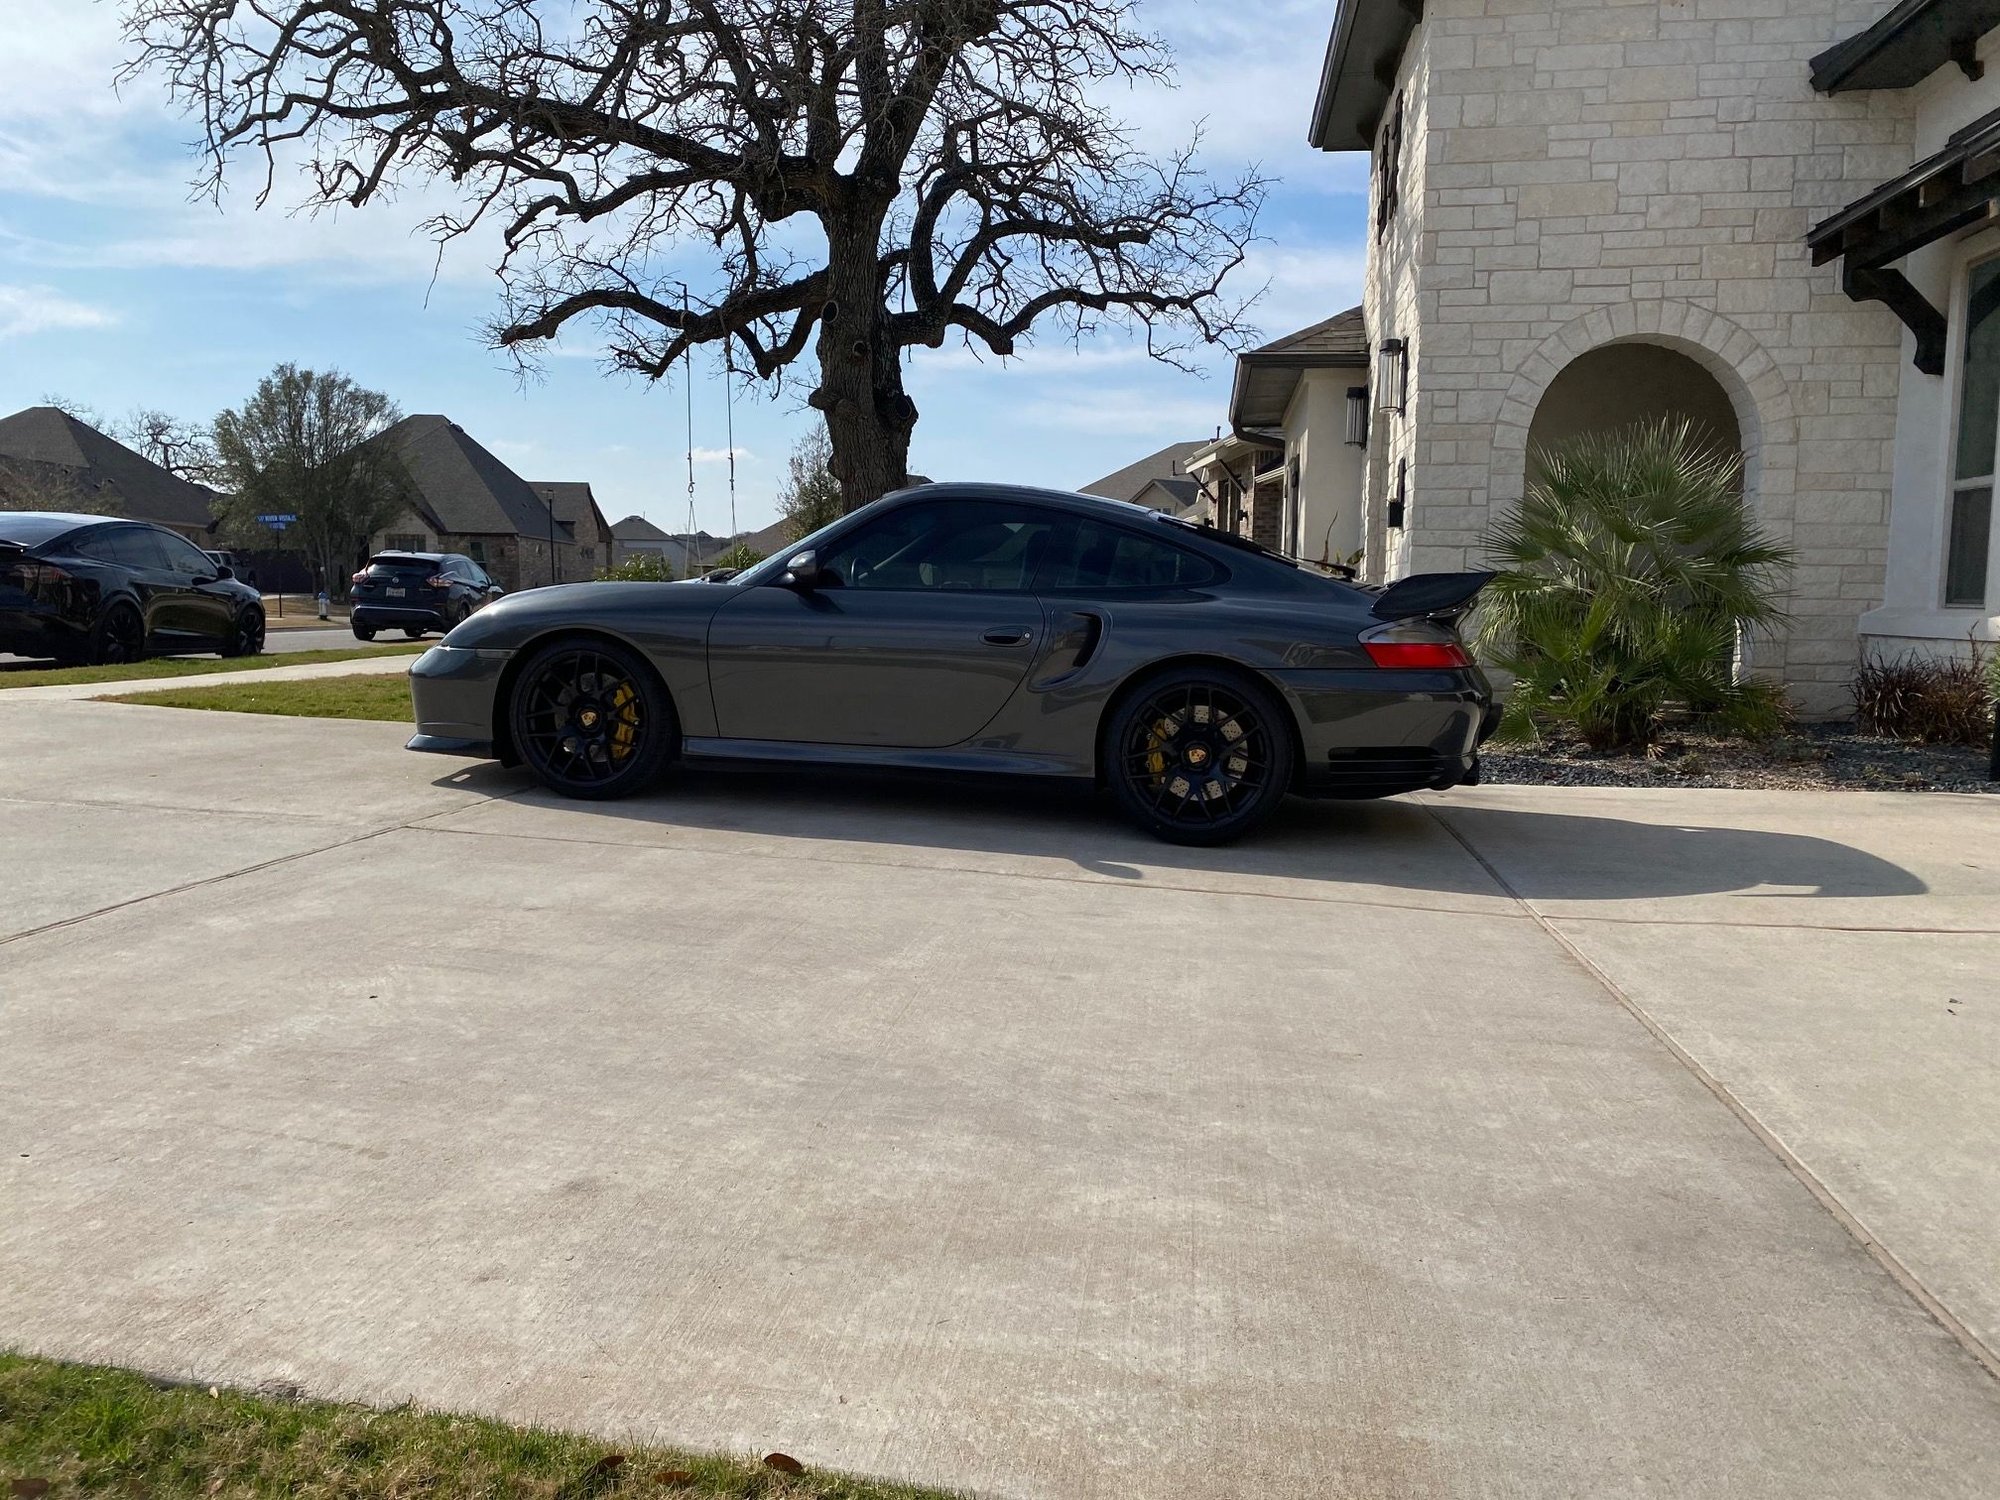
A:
{"points": [[1624, 579]]}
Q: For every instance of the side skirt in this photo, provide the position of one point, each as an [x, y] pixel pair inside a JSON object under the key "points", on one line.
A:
{"points": [[703, 750]]}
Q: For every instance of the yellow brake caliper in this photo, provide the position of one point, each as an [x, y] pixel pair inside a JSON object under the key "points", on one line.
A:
{"points": [[626, 730]]}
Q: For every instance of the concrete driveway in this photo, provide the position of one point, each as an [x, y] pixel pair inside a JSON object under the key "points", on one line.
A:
{"points": [[1527, 1143]]}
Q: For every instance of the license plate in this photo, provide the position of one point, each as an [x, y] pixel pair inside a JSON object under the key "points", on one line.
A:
{"points": [[396, 593]]}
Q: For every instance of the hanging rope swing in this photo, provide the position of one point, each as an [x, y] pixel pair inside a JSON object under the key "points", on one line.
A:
{"points": [[729, 434]]}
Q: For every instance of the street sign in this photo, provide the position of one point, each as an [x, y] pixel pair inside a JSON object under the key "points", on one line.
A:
{"points": [[276, 520]]}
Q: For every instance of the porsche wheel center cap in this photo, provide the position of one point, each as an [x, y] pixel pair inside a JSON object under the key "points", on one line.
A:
{"points": [[1197, 756], [587, 719]]}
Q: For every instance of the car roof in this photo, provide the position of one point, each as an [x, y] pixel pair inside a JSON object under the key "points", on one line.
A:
{"points": [[31, 528], [420, 556], [1115, 510]]}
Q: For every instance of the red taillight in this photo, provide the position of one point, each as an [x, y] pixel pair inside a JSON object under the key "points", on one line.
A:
{"points": [[361, 577], [43, 581], [1417, 654], [438, 581]]}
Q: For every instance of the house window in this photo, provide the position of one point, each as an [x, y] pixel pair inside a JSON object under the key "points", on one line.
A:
{"points": [[1969, 527], [476, 550], [405, 541], [1389, 171]]}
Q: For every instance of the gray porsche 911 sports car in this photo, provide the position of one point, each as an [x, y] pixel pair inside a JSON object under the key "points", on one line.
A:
{"points": [[970, 627]]}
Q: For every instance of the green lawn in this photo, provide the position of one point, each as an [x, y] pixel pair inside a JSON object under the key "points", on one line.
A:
{"points": [[358, 697], [193, 666], [78, 1430]]}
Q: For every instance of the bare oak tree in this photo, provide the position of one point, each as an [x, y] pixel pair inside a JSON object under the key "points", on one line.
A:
{"points": [[857, 177]]}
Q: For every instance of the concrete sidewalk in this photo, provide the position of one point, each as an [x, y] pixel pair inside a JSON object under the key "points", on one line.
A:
{"points": [[970, 1138]]}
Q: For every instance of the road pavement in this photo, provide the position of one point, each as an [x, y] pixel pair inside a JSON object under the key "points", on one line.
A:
{"points": [[1527, 1142]]}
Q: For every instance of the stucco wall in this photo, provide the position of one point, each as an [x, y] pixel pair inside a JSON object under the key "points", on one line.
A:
{"points": [[1646, 172], [1912, 616], [1326, 520]]}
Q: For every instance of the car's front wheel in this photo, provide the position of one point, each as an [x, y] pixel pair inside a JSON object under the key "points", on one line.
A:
{"points": [[590, 719], [1198, 755]]}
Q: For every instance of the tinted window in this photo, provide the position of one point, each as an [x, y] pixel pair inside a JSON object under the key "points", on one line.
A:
{"points": [[383, 567], [955, 545], [29, 529], [128, 546], [1109, 557], [183, 556]]}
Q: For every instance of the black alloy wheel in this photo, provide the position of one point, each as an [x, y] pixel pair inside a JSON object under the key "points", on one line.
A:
{"points": [[1199, 756], [247, 638], [590, 719], [364, 632], [120, 637]]}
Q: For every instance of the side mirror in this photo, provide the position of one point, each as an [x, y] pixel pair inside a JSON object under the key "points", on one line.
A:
{"points": [[222, 571], [494, 591], [802, 570]]}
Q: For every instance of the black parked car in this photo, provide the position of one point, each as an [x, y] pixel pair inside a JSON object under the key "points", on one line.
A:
{"points": [[418, 591], [958, 627], [96, 589]]}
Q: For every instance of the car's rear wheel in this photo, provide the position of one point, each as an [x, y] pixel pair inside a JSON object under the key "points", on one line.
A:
{"points": [[119, 637], [414, 632], [247, 637], [364, 632], [589, 718], [1198, 755]]}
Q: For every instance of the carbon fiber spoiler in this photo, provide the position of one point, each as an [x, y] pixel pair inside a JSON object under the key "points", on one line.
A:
{"points": [[1429, 596]]}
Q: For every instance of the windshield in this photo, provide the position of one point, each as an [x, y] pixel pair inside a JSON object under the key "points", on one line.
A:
{"points": [[381, 566]]}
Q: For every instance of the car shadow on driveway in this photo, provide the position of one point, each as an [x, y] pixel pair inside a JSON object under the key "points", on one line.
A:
{"points": [[1396, 842]]}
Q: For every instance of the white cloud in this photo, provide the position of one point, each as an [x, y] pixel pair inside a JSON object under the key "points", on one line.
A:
{"points": [[35, 309], [722, 455], [1129, 411]]}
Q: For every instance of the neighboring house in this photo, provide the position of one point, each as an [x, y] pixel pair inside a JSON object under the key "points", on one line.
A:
{"points": [[773, 537], [468, 501], [1242, 479], [575, 506], [1149, 481], [1296, 395], [46, 452], [1587, 215], [636, 536]]}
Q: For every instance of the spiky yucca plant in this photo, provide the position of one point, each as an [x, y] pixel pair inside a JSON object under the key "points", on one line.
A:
{"points": [[1623, 579]]}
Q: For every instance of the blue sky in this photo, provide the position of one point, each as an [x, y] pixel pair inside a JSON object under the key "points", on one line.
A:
{"points": [[117, 290]]}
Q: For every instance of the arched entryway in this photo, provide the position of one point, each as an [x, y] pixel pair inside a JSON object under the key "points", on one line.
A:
{"points": [[1619, 385]]}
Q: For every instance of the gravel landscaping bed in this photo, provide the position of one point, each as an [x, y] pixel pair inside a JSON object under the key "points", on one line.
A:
{"points": [[1813, 756]]}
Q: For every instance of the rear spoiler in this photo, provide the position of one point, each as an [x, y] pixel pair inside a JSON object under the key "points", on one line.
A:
{"points": [[1429, 596]]}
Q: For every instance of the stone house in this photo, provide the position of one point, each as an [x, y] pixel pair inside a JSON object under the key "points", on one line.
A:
{"points": [[50, 460], [466, 500], [574, 505], [1584, 215]]}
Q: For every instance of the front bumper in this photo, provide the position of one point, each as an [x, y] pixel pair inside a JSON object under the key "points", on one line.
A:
{"points": [[452, 689], [1367, 732]]}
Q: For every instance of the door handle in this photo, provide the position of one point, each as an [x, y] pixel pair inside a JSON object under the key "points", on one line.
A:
{"points": [[1016, 636]]}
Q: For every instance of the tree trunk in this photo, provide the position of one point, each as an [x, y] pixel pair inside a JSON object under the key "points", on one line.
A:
{"points": [[868, 417]]}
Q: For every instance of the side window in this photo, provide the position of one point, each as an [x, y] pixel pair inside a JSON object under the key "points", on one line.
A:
{"points": [[182, 556], [131, 546], [477, 551], [1969, 530], [962, 546], [1389, 170], [1110, 557]]}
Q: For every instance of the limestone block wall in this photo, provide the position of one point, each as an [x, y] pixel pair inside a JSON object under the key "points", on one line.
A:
{"points": [[1645, 171]]}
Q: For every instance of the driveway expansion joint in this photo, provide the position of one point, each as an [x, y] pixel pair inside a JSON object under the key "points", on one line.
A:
{"points": [[1982, 1354]]}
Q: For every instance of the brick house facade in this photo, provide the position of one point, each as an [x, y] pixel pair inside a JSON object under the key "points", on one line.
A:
{"points": [[1623, 194]]}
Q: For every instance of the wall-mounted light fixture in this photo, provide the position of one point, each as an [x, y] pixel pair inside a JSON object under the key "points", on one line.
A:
{"points": [[1357, 416], [1392, 375]]}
